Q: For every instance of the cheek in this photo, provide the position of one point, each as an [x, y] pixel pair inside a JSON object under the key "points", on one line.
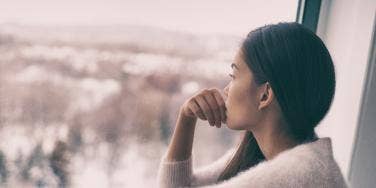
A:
{"points": [[241, 110]]}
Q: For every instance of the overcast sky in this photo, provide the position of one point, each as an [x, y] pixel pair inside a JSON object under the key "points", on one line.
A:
{"points": [[202, 16]]}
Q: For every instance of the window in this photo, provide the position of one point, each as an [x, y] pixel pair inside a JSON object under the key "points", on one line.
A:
{"points": [[89, 90]]}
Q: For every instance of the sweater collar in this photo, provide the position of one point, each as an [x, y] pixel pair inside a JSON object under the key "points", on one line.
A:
{"points": [[320, 146]]}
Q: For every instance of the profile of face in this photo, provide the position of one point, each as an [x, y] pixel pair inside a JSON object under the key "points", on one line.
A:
{"points": [[245, 101]]}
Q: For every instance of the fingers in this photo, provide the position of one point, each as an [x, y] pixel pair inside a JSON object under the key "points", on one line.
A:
{"points": [[195, 108], [206, 109], [221, 104], [209, 98], [209, 105]]}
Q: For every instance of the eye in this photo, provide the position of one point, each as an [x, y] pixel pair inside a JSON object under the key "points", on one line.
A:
{"points": [[231, 75]]}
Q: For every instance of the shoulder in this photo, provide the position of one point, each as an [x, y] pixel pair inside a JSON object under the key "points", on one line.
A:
{"points": [[306, 165]]}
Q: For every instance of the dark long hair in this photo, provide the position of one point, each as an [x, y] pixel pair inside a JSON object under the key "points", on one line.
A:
{"points": [[300, 70]]}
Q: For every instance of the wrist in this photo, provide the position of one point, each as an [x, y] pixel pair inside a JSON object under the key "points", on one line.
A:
{"points": [[186, 118]]}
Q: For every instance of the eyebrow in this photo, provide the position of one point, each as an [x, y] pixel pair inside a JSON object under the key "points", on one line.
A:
{"points": [[234, 65]]}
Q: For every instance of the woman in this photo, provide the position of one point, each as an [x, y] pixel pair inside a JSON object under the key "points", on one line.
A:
{"points": [[282, 86]]}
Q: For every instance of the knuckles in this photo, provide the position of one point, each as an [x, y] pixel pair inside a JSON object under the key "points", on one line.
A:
{"points": [[205, 92]]}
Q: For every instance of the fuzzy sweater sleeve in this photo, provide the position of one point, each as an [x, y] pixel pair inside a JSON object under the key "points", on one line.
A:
{"points": [[182, 173]]}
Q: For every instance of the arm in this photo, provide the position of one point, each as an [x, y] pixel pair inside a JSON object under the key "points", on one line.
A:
{"points": [[179, 173], [176, 165], [209, 174], [180, 148]]}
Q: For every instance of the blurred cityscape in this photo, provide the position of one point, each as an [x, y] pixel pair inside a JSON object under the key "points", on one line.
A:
{"points": [[95, 106]]}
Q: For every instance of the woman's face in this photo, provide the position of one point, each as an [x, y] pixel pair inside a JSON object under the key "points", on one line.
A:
{"points": [[241, 97]]}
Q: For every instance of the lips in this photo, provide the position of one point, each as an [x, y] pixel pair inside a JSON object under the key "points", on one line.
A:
{"points": [[226, 113]]}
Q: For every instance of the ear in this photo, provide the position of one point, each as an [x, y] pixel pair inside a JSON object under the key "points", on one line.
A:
{"points": [[266, 96]]}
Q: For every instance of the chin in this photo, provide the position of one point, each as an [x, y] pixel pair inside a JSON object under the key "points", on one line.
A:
{"points": [[233, 126]]}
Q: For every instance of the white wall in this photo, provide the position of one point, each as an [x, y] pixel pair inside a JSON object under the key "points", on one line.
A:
{"points": [[346, 28]]}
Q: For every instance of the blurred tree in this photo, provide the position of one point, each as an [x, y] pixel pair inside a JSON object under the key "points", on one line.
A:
{"points": [[59, 161], [4, 173]]}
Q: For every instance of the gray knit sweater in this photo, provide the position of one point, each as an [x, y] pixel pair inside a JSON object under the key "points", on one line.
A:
{"points": [[306, 165]]}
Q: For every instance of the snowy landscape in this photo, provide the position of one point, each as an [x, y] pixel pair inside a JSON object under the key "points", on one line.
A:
{"points": [[95, 106]]}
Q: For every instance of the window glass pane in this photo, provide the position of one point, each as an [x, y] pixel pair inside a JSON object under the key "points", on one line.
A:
{"points": [[90, 90]]}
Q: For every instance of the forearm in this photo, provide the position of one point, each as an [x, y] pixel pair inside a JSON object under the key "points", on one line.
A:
{"points": [[176, 168], [180, 147]]}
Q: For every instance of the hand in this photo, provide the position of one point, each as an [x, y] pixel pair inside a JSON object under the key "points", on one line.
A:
{"points": [[208, 104]]}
